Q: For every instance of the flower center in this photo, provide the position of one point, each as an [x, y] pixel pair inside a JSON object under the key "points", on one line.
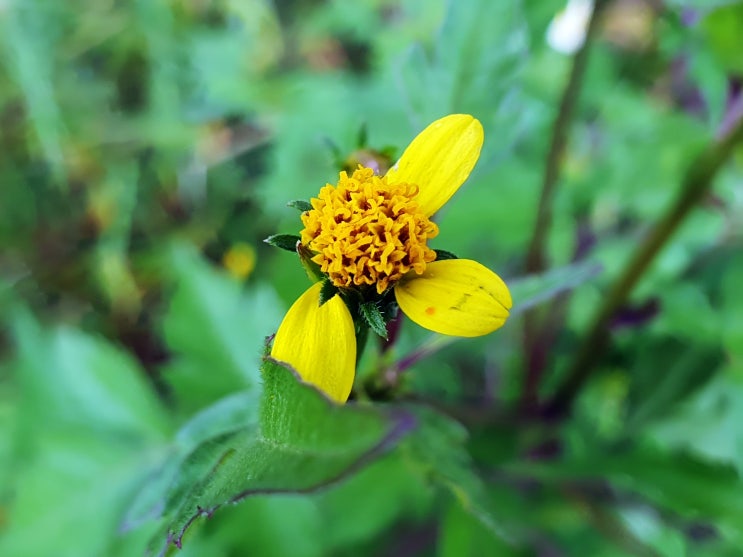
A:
{"points": [[366, 231]]}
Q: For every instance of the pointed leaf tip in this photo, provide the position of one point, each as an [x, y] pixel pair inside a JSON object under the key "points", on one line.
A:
{"points": [[286, 242]]}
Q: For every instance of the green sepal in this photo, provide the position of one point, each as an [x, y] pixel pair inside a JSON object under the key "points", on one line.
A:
{"points": [[283, 241], [370, 313], [300, 204], [327, 291], [442, 255], [310, 267]]}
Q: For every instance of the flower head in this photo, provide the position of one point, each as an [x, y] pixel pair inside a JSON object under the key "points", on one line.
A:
{"points": [[367, 231], [368, 235]]}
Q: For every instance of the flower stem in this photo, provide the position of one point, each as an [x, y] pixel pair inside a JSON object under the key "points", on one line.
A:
{"points": [[540, 330], [536, 259], [697, 181]]}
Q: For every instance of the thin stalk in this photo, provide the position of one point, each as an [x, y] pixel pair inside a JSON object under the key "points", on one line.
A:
{"points": [[537, 339], [536, 259], [696, 183]]}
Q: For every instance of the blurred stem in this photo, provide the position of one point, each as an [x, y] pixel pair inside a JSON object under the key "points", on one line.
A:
{"points": [[538, 333], [535, 259], [696, 183], [606, 522]]}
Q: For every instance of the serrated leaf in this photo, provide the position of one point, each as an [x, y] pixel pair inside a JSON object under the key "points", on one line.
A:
{"points": [[300, 442], [227, 416], [286, 242], [300, 204], [373, 317], [327, 291]]}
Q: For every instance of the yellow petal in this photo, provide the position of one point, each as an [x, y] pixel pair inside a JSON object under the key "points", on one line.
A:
{"points": [[319, 343], [440, 159], [456, 297]]}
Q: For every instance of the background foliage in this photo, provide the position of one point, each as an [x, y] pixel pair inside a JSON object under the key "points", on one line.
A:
{"points": [[147, 149]]}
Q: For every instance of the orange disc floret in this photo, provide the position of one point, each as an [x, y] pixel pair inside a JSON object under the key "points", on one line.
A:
{"points": [[366, 231]]}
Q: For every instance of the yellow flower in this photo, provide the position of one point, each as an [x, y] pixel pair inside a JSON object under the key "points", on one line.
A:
{"points": [[369, 235]]}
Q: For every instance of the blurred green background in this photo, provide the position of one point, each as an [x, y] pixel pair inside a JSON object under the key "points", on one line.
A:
{"points": [[148, 147]]}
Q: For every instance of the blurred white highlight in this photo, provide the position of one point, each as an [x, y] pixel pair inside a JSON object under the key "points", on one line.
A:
{"points": [[567, 30]]}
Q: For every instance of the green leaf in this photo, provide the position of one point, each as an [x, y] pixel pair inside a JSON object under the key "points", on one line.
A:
{"points": [[229, 415], [224, 416], [300, 204], [723, 28], [286, 242], [30, 60], [93, 383], [88, 426], [707, 424], [393, 492], [462, 535], [437, 447], [475, 59], [373, 317], [212, 329], [265, 526], [685, 369], [300, 442], [732, 319], [677, 481]]}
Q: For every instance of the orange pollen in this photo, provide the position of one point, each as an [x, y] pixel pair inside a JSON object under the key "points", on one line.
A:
{"points": [[365, 231]]}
